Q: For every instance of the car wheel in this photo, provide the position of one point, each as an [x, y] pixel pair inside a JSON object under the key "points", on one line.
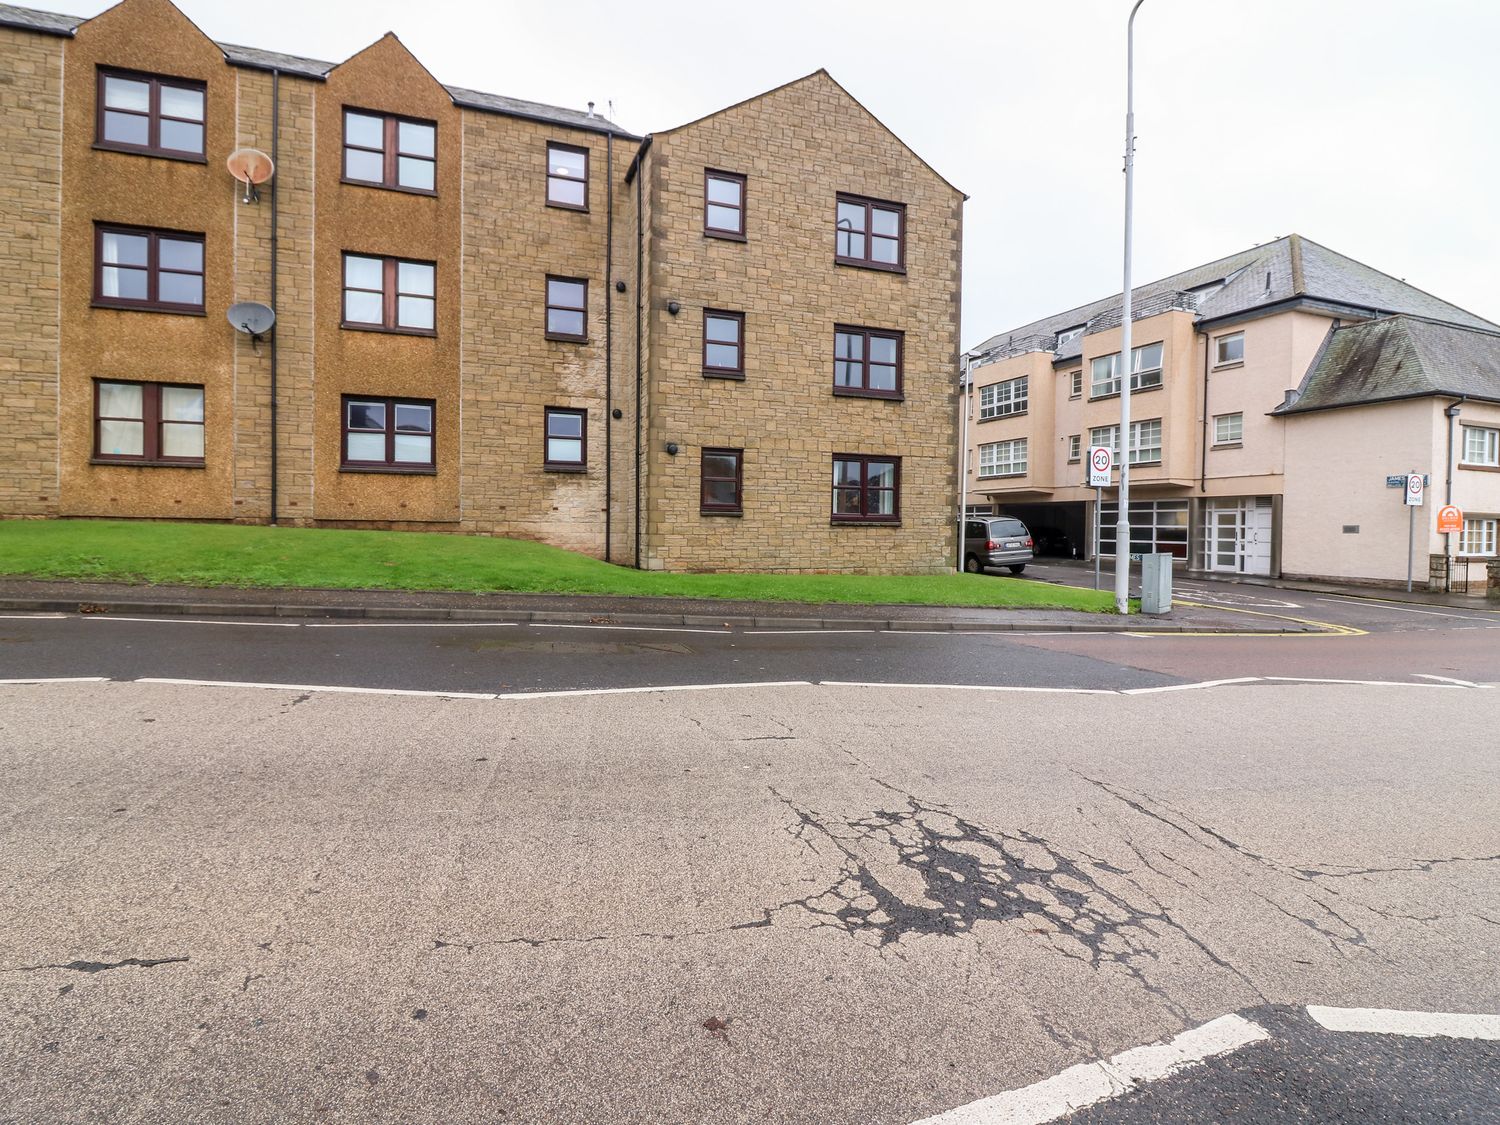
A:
{"points": [[971, 564], [1016, 569]]}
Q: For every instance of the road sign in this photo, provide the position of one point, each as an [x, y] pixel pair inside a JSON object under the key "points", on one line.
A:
{"points": [[1101, 461], [1398, 481], [1415, 489], [1450, 520]]}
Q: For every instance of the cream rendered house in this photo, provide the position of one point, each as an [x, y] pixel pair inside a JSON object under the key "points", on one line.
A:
{"points": [[1218, 351]]}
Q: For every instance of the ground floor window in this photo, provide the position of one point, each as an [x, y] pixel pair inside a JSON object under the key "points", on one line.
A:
{"points": [[567, 438], [721, 481], [1156, 526], [148, 423], [388, 434], [1477, 540], [866, 489]]}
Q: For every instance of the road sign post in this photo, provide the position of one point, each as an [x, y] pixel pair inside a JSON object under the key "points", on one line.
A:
{"points": [[1101, 461], [1416, 485]]}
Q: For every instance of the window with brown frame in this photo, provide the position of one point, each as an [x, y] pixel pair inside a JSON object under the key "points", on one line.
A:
{"points": [[390, 295], [867, 362], [149, 114], [567, 177], [155, 270], [866, 489], [870, 233], [384, 150], [724, 204], [723, 344], [722, 476], [567, 439], [567, 309], [392, 435], [148, 423]]}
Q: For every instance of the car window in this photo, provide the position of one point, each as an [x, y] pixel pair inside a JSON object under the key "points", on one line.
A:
{"points": [[1010, 528]]}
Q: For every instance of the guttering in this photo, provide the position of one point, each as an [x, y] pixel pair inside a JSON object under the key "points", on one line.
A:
{"points": [[609, 336], [1464, 395], [275, 209]]}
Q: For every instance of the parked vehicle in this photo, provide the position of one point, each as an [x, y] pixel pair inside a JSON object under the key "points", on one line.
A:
{"points": [[993, 543], [1051, 541]]}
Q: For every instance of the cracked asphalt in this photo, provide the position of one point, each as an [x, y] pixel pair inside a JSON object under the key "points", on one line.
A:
{"points": [[809, 903]]}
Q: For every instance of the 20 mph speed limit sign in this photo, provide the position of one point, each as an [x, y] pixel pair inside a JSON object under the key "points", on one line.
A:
{"points": [[1415, 486], [1101, 461]]}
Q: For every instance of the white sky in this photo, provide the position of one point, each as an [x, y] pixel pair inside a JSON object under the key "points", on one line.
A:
{"points": [[1367, 125]]}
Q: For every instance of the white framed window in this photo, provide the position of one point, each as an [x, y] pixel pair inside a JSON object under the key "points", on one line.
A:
{"points": [[1106, 435], [1481, 446], [1145, 440], [1075, 384], [1145, 371], [1477, 540], [1068, 335], [1230, 348], [1075, 447], [1003, 458], [1000, 400], [1104, 375], [1229, 429]]}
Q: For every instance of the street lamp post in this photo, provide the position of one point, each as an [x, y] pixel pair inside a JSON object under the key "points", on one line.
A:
{"points": [[1122, 525]]}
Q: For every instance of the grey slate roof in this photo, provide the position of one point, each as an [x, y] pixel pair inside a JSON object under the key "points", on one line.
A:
{"points": [[50, 23], [1287, 269], [1400, 357]]}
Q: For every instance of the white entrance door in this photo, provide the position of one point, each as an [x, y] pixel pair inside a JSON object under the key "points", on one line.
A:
{"points": [[1237, 535]]}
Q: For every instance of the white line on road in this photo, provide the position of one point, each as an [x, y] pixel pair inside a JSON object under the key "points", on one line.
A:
{"points": [[410, 624], [197, 621], [1088, 1083], [318, 687], [799, 632], [1386, 1021], [1189, 687], [59, 680], [1363, 683], [970, 687], [1378, 604], [33, 616], [628, 628], [646, 690], [1447, 680]]}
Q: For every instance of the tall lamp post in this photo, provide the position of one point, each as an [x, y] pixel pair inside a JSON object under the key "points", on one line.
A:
{"points": [[1122, 525]]}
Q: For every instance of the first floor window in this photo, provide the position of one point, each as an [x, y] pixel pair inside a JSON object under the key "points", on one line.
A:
{"points": [[1231, 348], [870, 233], [866, 488], [1075, 447], [149, 114], [1481, 446], [1075, 384], [724, 204], [1003, 458], [867, 361], [394, 434], [384, 150], [390, 294], [1145, 441], [568, 177], [723, 343], [1229, 429], [1000, 400], [567, 438], [148, 422], [567, 308], [137, 268], [721, 475], [1145, 371], [1478, 536]]}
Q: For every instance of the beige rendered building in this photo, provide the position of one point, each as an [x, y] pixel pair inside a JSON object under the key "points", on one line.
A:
{"points": [[724, 346], [1227, 475]]}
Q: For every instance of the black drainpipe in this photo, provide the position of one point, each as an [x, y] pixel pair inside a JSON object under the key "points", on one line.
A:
{"points": [[275, 200], [640, 245], [609, 334], [1207, 422]]}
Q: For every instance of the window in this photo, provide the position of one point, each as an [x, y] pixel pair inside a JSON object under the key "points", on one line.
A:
{"points": [[1068, 335], [567, 309], [1000, 400], [567, 177], [870, 233], [148, 269], [389, 151], [1075, 384], [1145, 441], [567, 439], [866, 489], [1075, 447], [1230, 349], [1229, 429], [1155, 526], [390, 295], [388, 434], [1481, 446], [148, 423], [1478, 536], [867, 361], [1145, 371], [151, 115], [723, 344], [724, 205], [721, 476], [1003, 458]]}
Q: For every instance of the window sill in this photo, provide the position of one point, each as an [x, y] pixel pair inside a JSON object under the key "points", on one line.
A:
{"points": [[1003, 417], [143, 464], [1479, 468], [129, 150], [574, 207], [1133, 391], [574, 469], [1004, 476], [1146, 464], [395, 470], [851, 392], [1227, 445], [732, 513], [1229, 366], [346, 326], [126, 306], [856, 264], [860, 521], [1075, 460], [430, 192], [558, 338], [732, 376], [725, 235]]}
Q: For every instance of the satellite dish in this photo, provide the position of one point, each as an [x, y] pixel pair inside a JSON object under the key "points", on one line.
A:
{"points": [[252, 318], [250, 166]]}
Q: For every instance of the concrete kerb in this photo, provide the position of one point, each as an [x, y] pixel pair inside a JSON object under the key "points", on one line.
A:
{"points": [[1097, 623]]}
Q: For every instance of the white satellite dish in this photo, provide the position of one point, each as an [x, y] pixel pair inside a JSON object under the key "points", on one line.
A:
{"points": [[250, 166], [252, 318]]}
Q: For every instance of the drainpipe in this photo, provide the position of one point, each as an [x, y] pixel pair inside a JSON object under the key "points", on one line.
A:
{"points": [[275, 207], [1452, 411], [640, 244], [963, 457], [1207, 422], [609, 335]]}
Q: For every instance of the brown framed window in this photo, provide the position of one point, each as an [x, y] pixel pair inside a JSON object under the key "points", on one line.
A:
{"points": [[866, 489], [567, 308], [150, 114], [383, 150], [567, 177], [723, 344], [392, 435], [148, 423], [724, 204], [567, 439], [722, 476], [139, 268], [390, 295], [867, 362], [870, 233]]}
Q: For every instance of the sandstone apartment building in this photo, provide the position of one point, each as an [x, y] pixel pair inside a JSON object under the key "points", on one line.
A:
{"points": [[728, 345], [1273, 393]]}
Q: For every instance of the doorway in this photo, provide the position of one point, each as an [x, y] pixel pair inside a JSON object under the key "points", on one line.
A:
{"points": [[1237, 535]]}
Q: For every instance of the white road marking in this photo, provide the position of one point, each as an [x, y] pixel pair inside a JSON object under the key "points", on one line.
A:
{"points": [[1386, 1021], [410, 624], [627, 628], [318, 687], [1447, 680], [33, 616], [645, 690], [197, 621], [1088, 1083], [1379, 604], [59, 680], [1189, 687], [970, 687], [1363, 683], [799, 632]]}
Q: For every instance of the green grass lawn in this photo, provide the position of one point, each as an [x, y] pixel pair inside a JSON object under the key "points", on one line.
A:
{"points": [[196, 554]]}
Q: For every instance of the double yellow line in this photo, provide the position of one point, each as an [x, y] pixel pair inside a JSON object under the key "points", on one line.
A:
{"points": [[1326, 628]]}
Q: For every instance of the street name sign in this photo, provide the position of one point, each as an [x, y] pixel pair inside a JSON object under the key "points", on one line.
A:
{"points": [[1101, 461]]}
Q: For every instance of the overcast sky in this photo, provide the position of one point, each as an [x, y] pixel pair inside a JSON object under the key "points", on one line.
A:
{"points": [[1366, 125]]}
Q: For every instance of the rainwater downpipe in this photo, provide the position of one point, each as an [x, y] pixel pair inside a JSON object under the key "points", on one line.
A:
{"points": [[275, 207], [1452, 411], [609, 337], [640, 244]]}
